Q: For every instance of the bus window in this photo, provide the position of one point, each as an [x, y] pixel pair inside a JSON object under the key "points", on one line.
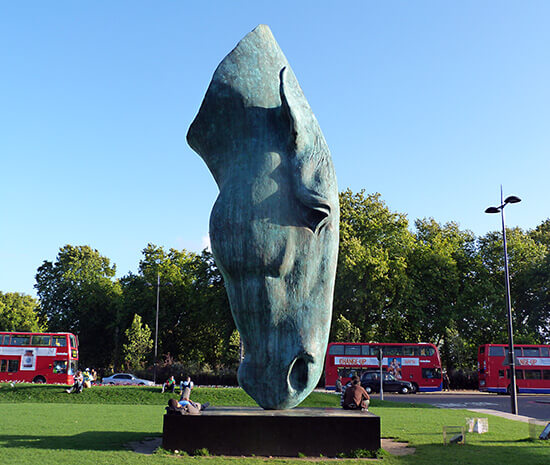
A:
{"points": [[3, 365], [544, 352], [519, 374], [17, 340], [531, 352], [59, 341], [430, 351], [13, 365], [545, 374], [366, 350], [431, 373], [72, 367], [532, 374], [73, 340], [482, 350], [408, 350], [501, 373], [353, 350], [496, 351], [392, 350], [60, 366], [517, 351], [336, 350], [41, 340]]}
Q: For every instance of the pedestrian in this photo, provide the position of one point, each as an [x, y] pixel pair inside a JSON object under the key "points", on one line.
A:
{"points": [[338, 384], [446, 381]]}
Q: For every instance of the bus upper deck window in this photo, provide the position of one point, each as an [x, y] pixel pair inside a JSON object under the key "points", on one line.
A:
{"points": [[544, 352], [408, 350], [531, 352], [482, 350], [73, 341], [17, 340], [41, 340], [353, 350], [496, 351], [59, 341], [336, 350]]}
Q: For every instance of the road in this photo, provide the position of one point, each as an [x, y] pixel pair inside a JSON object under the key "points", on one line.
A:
{"points": [[530, 405]]}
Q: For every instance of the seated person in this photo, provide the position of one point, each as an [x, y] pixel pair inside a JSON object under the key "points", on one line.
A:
{"points": [[355, 397], [78, 383], [170, 384], [187, 383], [87, 375]]}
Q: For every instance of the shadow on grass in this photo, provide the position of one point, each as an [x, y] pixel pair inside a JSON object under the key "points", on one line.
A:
{"points": [[509, 454], [91, 440]]}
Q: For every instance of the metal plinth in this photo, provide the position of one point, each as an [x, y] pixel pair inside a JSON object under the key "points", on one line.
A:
{"points": [[283, 433]]}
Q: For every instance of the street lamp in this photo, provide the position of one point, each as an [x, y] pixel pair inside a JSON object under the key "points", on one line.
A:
{"points": [[511, 356], [157, 325]]}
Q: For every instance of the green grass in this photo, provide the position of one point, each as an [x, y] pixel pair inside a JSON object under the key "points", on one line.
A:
{"points": [[140, 395], [43, 424]]}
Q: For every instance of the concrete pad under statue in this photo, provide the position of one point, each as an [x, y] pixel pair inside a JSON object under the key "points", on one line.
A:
{"points": [[283, 433]]}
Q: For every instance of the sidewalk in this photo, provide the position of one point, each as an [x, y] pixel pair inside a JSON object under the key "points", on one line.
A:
{"points": [[509, 416]]}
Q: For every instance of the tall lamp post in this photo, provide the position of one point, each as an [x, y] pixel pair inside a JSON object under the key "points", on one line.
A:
{"points": [[157, 325], [511, 356], [156, 329]]}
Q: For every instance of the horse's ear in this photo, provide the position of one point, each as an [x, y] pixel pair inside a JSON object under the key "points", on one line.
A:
{"points": [[291, 113]]}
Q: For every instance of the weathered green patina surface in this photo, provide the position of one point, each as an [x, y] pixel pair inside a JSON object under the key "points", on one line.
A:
{"points": [[274, 226]]}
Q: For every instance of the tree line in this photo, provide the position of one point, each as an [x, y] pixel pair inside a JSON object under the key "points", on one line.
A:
{"points": [[431, 283]]}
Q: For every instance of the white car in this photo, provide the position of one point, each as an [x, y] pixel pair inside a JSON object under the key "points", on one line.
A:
{"points": [[125, 378]]}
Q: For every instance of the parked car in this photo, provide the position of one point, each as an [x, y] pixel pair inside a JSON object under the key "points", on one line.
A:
{"points": [[125, 378], [370, 380]]}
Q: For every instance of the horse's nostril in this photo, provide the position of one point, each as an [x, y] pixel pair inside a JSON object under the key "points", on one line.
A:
{"points": [[298, 375]]}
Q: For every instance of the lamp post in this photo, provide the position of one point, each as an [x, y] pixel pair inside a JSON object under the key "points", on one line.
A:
{"points": [[157, 325], [511, 356], [156, 329]]}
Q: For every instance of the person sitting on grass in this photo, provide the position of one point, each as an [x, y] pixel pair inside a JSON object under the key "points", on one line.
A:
{"points": [[355, 397], [78, 382], [170, 384], [187, 383]]}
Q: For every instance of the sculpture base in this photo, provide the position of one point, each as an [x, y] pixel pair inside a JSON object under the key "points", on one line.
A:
{"points": [[284, 433]]}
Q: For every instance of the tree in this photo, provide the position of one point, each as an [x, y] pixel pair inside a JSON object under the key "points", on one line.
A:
{"points": [[19, 312], [195, 322], [139, 344], [526, 260], [371, 279], [78, 293], [441, 284], [345, 331]]}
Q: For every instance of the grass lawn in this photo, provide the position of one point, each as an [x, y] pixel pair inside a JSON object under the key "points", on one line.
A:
{"points": [[43, 424]]}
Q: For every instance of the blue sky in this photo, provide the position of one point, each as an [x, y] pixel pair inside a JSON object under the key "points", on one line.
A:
{"points": [[432, 104]]}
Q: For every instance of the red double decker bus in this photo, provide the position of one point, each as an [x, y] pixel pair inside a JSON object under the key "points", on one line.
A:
{"points": [[38, 357], [418, 363], [532, 368]]}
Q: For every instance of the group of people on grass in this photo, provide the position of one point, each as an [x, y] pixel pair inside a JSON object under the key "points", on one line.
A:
{"points": [[170, 384], [83, 380]]}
